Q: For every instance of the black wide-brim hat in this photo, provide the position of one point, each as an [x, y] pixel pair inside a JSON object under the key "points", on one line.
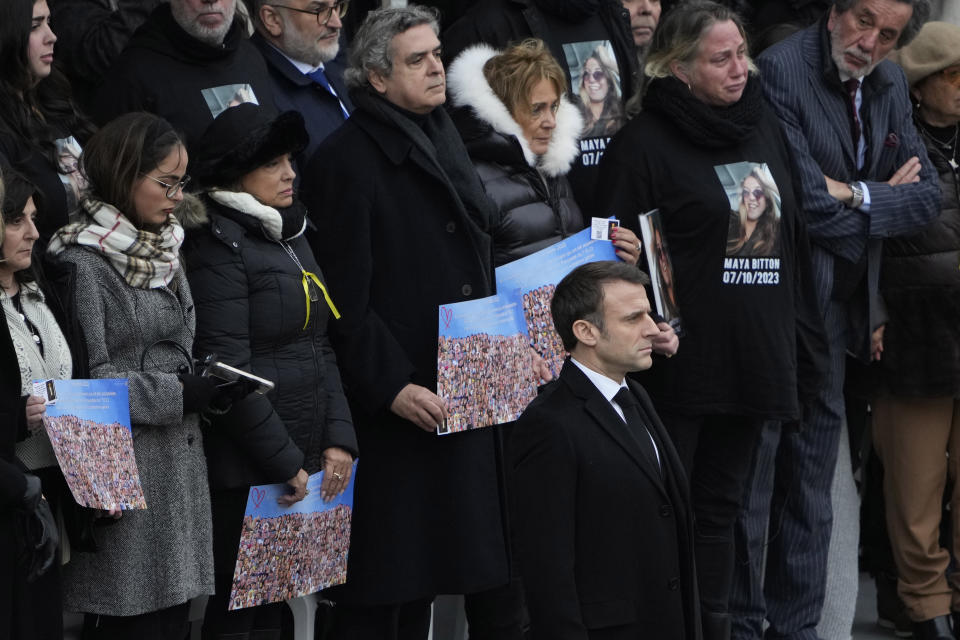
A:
{"points": [[243, 138]]}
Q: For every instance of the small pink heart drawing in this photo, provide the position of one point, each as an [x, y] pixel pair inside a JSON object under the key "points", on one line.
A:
{"points": [[446, 314], [258, 495]]}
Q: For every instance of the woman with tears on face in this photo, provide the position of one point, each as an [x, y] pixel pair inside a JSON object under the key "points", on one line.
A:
{"points": [[704, 129]]}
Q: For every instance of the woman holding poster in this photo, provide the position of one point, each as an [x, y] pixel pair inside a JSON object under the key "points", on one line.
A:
{"points": [[133, 304], [262, 306]]}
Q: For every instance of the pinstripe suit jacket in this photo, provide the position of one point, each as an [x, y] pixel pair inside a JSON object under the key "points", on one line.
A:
{"points": [[802, 83]]}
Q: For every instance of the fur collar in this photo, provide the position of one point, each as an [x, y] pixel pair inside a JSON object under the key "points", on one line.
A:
{"points": [[469, 88], [190, 212], [269, 218]]}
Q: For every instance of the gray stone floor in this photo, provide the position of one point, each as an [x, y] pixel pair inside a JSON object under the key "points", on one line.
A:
{"points": [[864, 625]]}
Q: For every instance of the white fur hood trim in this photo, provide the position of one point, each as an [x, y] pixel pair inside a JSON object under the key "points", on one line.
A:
{"points": [[269, 218], [469, 88]]}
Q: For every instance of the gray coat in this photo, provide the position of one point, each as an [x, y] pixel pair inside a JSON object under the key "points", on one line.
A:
{"points": [[160, 557]]}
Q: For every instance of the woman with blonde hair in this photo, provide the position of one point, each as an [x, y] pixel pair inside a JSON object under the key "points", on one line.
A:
{"points": [[522, 134], [704, 117]]}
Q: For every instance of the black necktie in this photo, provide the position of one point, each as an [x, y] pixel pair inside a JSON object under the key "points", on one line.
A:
{"points": [[852, 85], [631, 411]]}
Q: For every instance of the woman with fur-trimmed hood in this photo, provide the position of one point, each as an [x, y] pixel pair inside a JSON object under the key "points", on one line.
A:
{"points": [[522, 134]]}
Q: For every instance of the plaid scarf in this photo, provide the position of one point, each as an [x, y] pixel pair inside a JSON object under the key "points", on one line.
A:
{"points": [[146, 260]]}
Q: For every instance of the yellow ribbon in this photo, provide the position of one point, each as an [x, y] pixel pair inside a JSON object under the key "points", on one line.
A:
{"points": [[307, 276]]}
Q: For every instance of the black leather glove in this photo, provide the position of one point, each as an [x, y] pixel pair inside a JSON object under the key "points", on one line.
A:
{"points": [[42, 530], [198, 392]]}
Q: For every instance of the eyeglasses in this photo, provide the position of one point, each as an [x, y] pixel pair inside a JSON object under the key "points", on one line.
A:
{"points": [[756, 193], [597, 75], [172, 189], [324, 13], [952, 75]]}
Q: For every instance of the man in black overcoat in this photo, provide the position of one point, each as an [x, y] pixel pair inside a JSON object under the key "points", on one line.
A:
{"points": [[602, 512], [402, 228]]}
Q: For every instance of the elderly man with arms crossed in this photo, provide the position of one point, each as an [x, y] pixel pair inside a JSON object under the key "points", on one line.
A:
{"points": [[865, 176]]}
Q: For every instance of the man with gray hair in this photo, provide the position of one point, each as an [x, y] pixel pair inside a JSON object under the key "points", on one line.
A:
{"points": [[299, 40], [865, 175], [188, 63], [403, 227]]}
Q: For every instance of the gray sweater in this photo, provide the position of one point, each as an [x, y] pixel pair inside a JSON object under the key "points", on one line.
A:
{"points": [[160, 557]]}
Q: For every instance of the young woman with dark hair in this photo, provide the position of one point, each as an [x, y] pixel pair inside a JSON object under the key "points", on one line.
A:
{"points": [[40, 127], [133, 305]]}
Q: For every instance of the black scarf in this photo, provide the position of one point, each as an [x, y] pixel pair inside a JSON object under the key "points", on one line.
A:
{"points": [[435, 135], [704, 124]]}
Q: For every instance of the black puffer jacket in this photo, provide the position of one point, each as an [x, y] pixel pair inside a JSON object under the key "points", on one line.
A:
{"points": [[920, 284], [251, 312], [536, 204]]}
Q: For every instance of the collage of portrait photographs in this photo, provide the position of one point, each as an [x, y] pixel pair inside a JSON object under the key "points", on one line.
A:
{"points": [[487, 347]]}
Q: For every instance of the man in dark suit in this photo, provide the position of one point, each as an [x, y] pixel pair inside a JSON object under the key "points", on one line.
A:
{"points": [[300, 42], [602, 513], [864, 175]]}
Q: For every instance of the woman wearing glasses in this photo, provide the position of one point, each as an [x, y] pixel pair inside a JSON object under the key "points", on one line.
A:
{"points": [[131, 300], [39, 123]]}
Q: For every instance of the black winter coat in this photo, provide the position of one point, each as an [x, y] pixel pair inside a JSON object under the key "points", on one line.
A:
{"points": [[395, 243], [920, 285], [166, 71], [37, 605], [91, 34], [565, 26], [536, 204], [251, 311]]}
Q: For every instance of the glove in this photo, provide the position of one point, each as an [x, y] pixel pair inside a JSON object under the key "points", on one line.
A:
{"points": [[42, 530], [229, 393], [198, 392]]}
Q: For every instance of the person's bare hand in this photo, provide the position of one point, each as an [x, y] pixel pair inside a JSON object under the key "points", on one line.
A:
{"points": [[35, 409], [114, 513], [299, 485], [337, 467], [540, 366], [667, 342], [876, 343], [909, 172], [625, 243], [420, 406]]}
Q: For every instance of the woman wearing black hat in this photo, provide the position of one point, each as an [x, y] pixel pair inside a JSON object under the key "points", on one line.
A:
{"points": [[262, 306]]}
